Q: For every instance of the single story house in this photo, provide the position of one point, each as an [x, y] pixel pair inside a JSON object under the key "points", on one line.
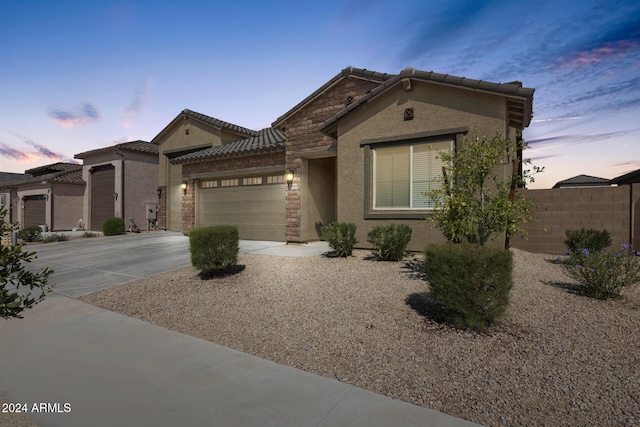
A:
{"points": [[362, 148], [49, 196], [121, 181]]}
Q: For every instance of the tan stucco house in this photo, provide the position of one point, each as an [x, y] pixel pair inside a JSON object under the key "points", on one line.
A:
{"points": [[121, 181], [362, 148], [49, 196]]}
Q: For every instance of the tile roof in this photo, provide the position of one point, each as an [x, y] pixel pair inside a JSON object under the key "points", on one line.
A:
{"points": [[520, 113], [627, 178], [66, 176], [136, 146], [347, 72], [55, 167], [219, 123], [266, 140], [582, 181], [10, 176]]}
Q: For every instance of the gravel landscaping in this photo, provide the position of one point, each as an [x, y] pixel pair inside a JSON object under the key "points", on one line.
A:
{"points": [[557, 358]]}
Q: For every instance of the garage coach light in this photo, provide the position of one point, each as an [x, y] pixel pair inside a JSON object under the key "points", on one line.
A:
{"points": [[289, 178], [184, 187]]}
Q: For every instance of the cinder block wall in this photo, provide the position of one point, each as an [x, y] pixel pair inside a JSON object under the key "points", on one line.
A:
{"points": [[561, 209]]}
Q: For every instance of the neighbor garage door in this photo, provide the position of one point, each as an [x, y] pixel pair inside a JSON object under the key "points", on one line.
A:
{"points": [[103, 184], [254, 204], [34, 211]]}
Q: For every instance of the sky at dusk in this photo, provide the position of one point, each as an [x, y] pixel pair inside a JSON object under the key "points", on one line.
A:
{"points": [[77, 75]]}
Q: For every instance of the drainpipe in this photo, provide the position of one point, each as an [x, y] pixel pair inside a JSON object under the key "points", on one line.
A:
{"points": [[121, 193]]}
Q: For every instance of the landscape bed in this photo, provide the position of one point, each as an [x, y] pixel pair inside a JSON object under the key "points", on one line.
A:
{"points": [[557, 358]]}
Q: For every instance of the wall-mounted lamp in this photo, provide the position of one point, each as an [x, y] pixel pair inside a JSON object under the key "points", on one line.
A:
{"points": [[115, 196], [46, 197], [288, 177], [184, 187], [159, 192]]}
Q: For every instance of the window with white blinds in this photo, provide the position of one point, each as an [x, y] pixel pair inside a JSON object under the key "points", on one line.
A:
{"points": [[404, 173]]}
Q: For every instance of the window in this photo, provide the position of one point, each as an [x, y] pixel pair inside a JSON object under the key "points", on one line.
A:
{"points": [[255, 180], [229, 182], [275, 179], [208, 184], [402, 174]]}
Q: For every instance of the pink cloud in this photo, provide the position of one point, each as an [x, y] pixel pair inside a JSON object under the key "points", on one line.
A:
{"points": [[598, 54], [86, 113]]}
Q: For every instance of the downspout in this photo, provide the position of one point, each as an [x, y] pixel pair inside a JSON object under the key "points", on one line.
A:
{"points": [[121, 195]]}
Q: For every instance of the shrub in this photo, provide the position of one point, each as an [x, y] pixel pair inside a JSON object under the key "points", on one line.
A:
{"points": [[55, 238], [30, 234], [390, 242], [113, 226], [341, 237], [470, 283], [603, 274], [214, 248], [14, 276], [590, 239], [89, 234]]}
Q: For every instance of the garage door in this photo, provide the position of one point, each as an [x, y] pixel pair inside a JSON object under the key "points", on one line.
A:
{"points": [[103, 184], [256, 205], [34, 211]]}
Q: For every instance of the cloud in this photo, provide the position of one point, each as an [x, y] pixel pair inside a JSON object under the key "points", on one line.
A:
{"points": [[136, 105], [580, 138], [25, 156], [84, 114]]}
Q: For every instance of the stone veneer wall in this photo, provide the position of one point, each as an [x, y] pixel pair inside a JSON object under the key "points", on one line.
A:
{"points": [[304, 139], [162, 209]]}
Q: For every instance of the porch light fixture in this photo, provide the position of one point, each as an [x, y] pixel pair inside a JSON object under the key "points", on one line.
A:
{"points": [[159, 192], [184, 187], [289, 178]]}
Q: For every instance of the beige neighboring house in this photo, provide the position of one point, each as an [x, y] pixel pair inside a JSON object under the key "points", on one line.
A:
{"points": [[120, 182], [362, 148], [47, 196]]}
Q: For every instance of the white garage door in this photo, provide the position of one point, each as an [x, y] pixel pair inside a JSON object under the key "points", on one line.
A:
{"points": [[254, 204]]}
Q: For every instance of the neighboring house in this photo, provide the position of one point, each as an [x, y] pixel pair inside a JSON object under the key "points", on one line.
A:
{"points": [[632, 177], [583, 181], [6, 197], [362, 148], [121, 181], [48, 196]]}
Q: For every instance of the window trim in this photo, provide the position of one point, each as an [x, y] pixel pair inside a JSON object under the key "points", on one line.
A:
{"points": [[370, 212]]}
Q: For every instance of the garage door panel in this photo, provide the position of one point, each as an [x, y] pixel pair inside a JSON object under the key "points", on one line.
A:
{"points": [[257, 211]]}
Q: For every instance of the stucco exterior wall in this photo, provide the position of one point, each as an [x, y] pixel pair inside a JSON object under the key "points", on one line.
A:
{"points": [[140, 190], [435, 109], [66, 203]]}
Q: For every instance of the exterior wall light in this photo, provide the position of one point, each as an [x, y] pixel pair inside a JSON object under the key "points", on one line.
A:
{"points": [[184, 187], [159, 192], [289, 178], [115, 196]]}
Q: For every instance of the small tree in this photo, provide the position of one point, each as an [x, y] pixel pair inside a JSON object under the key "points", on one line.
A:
{"points": [[13, 274], [473, 204]]}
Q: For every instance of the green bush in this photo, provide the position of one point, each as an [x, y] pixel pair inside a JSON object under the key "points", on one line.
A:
{"points": [[390, 242], [113, 226], [214, 248], [55, 238], [341, 237], [603, 274], [470, 283], [30, 234], [590, 239]]}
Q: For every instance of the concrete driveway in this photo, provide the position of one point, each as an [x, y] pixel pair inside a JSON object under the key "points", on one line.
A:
{"points": [[88, 265]]}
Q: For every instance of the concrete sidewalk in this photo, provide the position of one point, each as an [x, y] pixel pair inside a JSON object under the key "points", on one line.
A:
{"points": [[113, 370]]}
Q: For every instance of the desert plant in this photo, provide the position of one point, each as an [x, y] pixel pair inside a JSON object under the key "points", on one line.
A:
{"points": [[591, 239], [55, 238], [113, 226], [30, 234], [603, 274], [214, 248], [390, 242], [470, 283], [341, 237], [474, 204], [13, 274]]}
